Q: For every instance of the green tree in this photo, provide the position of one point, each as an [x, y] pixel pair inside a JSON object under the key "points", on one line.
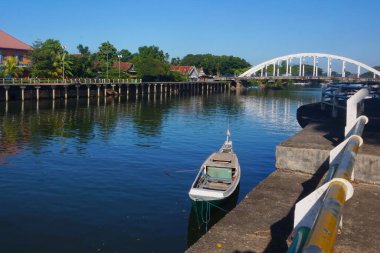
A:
{"points": [[175, 61], [369, 74], [105, 57], [10, 67], [83, 64], [62, 64], [47, 59], [125, 55], [215, 65], [151, 69], [153, 52], [152, 64]]}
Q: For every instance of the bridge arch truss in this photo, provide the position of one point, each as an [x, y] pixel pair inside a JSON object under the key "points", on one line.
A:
{"points": [[262, 68]]}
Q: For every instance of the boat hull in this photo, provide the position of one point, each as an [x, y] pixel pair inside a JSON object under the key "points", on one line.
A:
{"points": [[197, 194]]}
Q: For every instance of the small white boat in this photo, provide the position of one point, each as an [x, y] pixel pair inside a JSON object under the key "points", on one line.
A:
{"points": [[218, 176]]}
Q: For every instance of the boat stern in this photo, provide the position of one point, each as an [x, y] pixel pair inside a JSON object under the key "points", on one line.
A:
{"points": [[206, 195]]}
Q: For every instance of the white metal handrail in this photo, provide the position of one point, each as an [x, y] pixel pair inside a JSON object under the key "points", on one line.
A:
{"points": [[319, 215]]}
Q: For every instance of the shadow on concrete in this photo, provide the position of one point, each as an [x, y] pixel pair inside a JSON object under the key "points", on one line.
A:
{"points": [[281, 230], [333, 129]]}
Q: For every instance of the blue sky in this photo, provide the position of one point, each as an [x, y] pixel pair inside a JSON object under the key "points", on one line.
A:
{"points": [[254, 30]]}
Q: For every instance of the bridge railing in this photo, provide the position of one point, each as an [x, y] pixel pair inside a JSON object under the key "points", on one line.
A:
{"points": [[346, 98], [319, 216]]}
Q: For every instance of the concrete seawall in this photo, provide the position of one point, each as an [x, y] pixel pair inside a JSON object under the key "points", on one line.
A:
{"points": [[308, 151]]}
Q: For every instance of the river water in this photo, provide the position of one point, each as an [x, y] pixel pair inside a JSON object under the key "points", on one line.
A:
{"points": [[113, 175]]}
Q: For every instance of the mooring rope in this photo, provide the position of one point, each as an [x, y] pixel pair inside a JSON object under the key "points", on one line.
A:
{"points": [[224, 210], [207, 217], [206, 212]]}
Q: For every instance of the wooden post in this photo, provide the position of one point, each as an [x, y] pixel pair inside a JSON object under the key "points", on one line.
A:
{"points": [[38, 92], [98, 90], [65, 92], [22, 93], [6, 93], [77, 87], [53, 92]]}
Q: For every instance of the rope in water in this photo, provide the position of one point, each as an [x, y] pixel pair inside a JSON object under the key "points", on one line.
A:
{"points": [[224, 210], [206, 214], [207, 217]]}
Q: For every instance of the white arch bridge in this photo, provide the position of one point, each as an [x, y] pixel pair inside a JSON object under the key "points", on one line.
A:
{"points": [[292, 60]]}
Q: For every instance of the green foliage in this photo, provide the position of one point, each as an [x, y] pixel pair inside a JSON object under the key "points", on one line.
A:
{"points": [[48, 58], [152, 64], [177, 77], [83, 64], [105, 57], [10, 67], [369, 74], [254, 83], [175, 61], [125, 55], [295, 70], [61, 63], [113, 73], [215, 65], [152, 69], [237, 72], [153, 52]]}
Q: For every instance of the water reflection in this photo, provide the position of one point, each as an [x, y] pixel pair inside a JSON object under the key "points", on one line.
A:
{"points": [[276, 108], [93, 168], [201, 219]]}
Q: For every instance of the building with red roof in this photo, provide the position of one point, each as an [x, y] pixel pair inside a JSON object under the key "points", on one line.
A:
{"points": [[190, 71], [124, 66], [10, 46]]}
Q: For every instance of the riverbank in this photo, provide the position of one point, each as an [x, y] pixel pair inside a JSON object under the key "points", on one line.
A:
{"points": [[263, 221]]}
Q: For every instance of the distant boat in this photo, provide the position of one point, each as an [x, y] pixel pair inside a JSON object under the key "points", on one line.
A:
{"points": [[218, 176]]}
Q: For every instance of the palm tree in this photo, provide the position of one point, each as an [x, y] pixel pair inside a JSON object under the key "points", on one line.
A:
{"points": [[61, 63], [11, 68]]}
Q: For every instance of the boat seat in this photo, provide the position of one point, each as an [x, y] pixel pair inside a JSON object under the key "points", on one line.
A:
{"points": [[218, 174], [220, 180], [217, 186]]}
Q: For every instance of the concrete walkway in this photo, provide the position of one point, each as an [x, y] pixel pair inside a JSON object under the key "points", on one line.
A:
{"points": [[264, 219]]}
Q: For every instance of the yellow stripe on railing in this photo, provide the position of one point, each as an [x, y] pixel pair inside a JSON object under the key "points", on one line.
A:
{"points": [[324, 231]]}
